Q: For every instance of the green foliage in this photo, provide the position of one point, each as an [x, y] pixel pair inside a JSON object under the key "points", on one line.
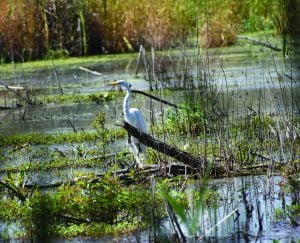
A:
{"points": [[106, 205], [48, 139], [57, 54], [291, 213], [190, 216], [188, 119], [211, 198], [95, 229], [255, 127], [244, 151]]}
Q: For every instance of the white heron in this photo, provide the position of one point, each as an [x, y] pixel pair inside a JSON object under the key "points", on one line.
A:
{"points": [[135, 118]]}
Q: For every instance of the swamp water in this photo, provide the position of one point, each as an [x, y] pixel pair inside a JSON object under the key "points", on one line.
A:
{"points": [[249, 73]]}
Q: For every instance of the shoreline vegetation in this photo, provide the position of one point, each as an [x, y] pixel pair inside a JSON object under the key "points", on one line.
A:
{"points": [[33, 30]]}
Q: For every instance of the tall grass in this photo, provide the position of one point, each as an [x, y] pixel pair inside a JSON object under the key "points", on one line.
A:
{"points": [[31, 29], [21, 30]]}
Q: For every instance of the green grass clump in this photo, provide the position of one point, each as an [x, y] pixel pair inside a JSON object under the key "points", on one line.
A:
{"points": [[187, 119], [255, 126], [96, 229]]}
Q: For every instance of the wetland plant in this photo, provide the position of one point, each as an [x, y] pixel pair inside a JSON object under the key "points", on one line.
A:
{"points": [[88, 207]]}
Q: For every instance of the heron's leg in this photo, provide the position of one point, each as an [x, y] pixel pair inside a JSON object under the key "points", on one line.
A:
{"points": [[139, 149], [135, 153], [129, 138]]}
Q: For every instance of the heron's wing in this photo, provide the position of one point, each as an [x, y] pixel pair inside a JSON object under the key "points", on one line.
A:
{"points": [[138, 120]]}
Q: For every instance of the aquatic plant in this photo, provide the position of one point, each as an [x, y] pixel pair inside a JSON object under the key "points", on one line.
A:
{"points": [[36, 138], [190, 218], [88, 207], [76, 98], [188, 119]]}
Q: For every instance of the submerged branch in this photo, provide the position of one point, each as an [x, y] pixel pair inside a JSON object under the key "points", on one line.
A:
{"points": [[220, 222]]}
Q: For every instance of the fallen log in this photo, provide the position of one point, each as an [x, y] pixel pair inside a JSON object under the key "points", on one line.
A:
{"points": [[164, 148], [257, 42]]}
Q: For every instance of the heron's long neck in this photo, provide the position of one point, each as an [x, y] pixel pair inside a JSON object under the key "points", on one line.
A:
{"points": [[126, 103]]}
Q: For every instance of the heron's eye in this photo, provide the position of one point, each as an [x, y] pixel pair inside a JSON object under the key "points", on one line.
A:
{"points": [[129, 85]]}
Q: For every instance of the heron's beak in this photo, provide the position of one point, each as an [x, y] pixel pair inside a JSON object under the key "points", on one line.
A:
{"points": [[113, 83]]}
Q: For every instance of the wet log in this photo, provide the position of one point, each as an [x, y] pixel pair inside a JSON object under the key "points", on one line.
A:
{"points": [[11, 89], [182, 156], [257, 42]]}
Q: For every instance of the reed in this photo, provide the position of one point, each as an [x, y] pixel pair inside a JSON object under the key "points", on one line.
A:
{"points": [[32, 29]]}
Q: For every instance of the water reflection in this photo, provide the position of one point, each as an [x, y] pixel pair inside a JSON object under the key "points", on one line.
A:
{"points": [[265, 193]]}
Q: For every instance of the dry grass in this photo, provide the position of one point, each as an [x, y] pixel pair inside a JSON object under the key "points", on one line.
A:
{"points": [[30, 29]]}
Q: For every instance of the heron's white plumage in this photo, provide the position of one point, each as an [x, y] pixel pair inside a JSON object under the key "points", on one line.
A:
{"points": [[134, 117]]}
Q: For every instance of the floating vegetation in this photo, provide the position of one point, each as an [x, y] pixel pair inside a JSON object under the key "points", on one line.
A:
{"points": [[76, 98], [62, 163], [78, 137]]}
